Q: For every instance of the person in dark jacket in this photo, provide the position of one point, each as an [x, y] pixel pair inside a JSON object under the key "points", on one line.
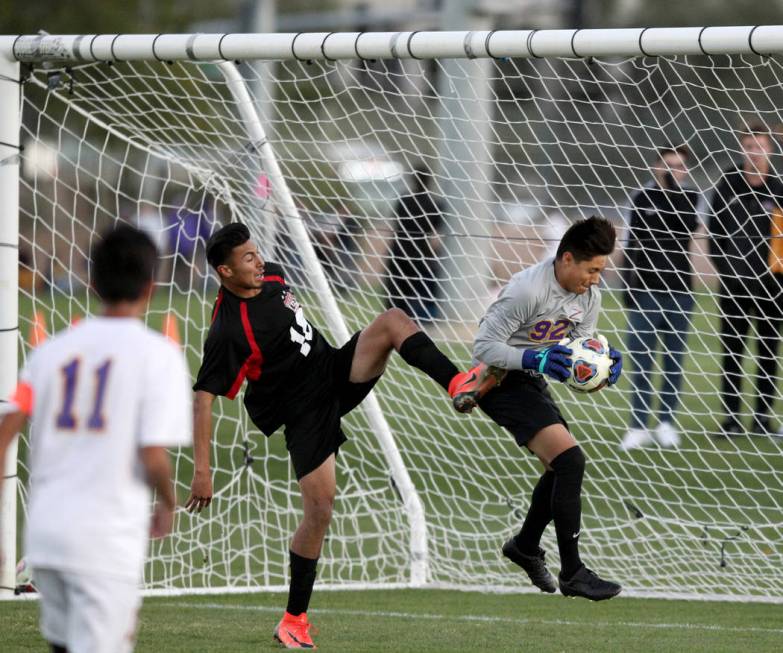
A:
{"points": [[413, 266], [742, 209], [659, 280]]}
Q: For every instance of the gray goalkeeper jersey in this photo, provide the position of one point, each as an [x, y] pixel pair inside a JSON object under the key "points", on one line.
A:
{"points": [[533, 311]]}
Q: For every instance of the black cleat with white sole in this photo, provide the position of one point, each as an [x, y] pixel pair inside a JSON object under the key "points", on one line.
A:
{"points": [[534, 566], [587, 584]]}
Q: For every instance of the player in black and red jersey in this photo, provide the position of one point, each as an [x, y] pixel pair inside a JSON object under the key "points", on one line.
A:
{"points": [[296, 379]]}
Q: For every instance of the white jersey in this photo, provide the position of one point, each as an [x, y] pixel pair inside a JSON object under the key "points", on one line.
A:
{"points": [[97, 394], [533, 311]]}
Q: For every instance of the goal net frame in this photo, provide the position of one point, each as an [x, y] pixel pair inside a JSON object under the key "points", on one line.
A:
{"points": [[224, 49]]}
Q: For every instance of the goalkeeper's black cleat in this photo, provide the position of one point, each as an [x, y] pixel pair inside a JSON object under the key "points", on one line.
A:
{"points": [[587, 584], [534, 566]]}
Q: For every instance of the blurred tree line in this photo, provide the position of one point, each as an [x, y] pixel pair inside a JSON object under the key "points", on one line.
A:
{"points": [[145, 16]]}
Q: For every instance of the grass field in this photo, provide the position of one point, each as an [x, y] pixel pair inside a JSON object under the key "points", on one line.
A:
{"points": [[438, 620]]}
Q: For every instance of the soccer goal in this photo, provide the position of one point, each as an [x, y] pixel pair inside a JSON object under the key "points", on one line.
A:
{"points": [[309, 139]]}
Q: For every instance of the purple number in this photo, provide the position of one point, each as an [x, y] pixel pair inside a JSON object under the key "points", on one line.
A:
{"points": [[540, 330], [559, 330], [66, 419], [96, 421]]}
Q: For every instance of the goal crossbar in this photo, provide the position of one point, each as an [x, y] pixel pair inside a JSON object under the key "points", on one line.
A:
{"points": [[760, 40]]}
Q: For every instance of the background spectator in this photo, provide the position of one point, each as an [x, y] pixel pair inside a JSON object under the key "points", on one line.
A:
{"points": [[189, 226], [412, 270], [741, 221], [659, 279]]}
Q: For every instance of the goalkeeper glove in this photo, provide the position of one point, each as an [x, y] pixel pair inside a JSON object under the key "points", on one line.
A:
{"points": [[553, 361], [617, 365]]}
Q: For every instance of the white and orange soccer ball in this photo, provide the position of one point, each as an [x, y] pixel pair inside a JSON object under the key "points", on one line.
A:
{"points": [[590, 363]]}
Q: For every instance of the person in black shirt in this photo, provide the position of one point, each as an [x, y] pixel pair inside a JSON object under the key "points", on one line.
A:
{"points": [[659, 281], [740, 225], [295, 379], [412, 268]]}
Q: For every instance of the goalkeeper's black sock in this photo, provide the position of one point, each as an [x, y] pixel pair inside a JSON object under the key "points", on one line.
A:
{"points": [[538, 515], [569, 468], [302, 581], [419, 351]]}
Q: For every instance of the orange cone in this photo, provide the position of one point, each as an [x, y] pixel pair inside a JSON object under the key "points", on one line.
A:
{"points": [[171, 328], [37, 334]]}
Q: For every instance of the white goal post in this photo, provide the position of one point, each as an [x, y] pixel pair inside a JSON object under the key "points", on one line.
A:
{"points": [[163, 131]]}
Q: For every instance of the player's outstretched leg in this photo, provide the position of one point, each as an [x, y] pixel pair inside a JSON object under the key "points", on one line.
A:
{"points": [[395, 330], [534, 566], [466, 388]]}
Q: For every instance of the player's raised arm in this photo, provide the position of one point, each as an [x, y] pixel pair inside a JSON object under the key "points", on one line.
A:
{"points": [[201, 487]]}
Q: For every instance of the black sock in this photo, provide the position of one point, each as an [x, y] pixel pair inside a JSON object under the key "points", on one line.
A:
{"points": [[302, 581], [419, 351], [568, 469], [538, 515]]}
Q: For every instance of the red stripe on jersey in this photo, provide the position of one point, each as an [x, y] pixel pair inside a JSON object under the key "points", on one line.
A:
{"points": [[24, 398], [274, 278], [217, 304], [251, 368]]}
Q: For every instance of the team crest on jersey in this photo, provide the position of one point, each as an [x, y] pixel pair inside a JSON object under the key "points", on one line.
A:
{"points": [[290, 301]]}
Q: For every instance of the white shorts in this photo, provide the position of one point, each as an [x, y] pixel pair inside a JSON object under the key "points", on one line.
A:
{"points": [[87, 613]]}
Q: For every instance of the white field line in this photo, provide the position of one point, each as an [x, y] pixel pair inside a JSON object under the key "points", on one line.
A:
{"points": [[484, 618]]}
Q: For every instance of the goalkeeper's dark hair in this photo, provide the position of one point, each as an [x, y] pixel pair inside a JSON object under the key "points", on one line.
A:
{"points": [[123, 264], [588, 238], [225, 239]]}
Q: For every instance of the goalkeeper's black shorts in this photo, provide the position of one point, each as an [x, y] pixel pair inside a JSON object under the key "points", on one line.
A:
{"points": [[523, 405]]}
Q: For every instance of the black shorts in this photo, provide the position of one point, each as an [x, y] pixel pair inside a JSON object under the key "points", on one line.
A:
{"points": [[523, 405], [315, 433]]}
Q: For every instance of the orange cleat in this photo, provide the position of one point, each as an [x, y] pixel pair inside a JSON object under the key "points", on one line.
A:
{"points": [[466, 388], [294, 631]]}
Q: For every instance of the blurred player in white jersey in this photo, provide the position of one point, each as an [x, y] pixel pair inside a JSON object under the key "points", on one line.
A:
{"points": [[520, 333], [105, 398]]}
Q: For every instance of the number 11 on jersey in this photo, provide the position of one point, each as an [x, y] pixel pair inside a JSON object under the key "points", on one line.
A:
{"points": [[66, 418]]}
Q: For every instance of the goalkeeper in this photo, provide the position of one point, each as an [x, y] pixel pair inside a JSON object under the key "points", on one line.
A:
{"points": [[520, 332]]}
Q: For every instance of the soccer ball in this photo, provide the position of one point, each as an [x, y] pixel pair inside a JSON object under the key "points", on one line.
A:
{"points": [[590, 363]]}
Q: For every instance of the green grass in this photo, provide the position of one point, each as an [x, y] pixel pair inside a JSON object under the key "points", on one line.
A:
{"points": [[438, 620]]}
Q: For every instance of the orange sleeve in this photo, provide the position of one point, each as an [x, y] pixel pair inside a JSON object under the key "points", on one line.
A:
{"points": [[23, 397]]}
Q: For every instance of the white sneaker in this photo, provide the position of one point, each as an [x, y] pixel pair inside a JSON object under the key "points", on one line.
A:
{"points": [[635, 438], [666, 435]]}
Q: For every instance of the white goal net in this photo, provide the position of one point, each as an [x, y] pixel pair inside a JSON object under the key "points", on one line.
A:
{"points": [[518, 148]]}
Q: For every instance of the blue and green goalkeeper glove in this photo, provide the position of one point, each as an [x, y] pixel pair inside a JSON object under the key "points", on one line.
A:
{"points": [[554, 361], [617, 365]]}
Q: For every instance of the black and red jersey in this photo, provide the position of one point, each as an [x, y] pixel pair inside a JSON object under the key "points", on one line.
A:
{"points": [[267, 341]]}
